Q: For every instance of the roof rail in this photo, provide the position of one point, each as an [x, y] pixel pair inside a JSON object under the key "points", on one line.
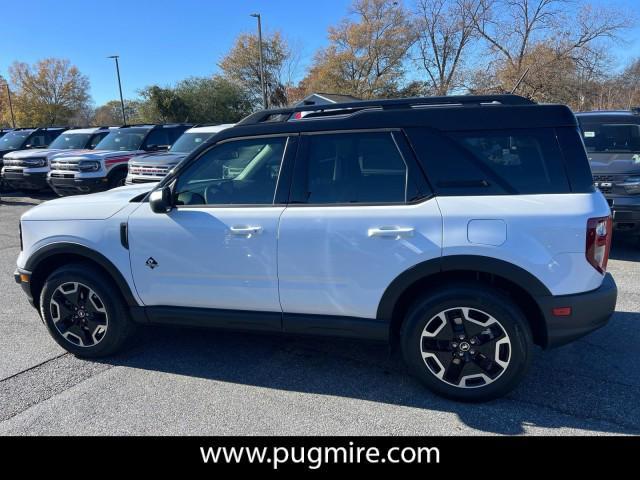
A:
{"points": [[284, 114]]}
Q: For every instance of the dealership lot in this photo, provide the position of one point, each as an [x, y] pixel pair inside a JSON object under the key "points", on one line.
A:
{"points": [[205, 382]]}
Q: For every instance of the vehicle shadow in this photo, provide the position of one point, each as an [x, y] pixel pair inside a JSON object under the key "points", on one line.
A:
{"points": [[588, 385], [26, 198]]}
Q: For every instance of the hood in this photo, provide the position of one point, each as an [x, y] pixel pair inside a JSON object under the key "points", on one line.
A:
{"points": [[76, 156], [95, 206], [157, 159], [4, 152], [611, 163], [37, 153]]}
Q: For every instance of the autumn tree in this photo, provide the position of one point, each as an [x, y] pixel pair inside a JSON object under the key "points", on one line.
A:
{"points": [[445, 30], [242, 65], [366, 53], [50, 92], [163, 105]]}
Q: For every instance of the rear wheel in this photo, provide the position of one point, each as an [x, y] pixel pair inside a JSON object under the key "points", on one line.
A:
{"points": [[84, 311], [467, 342]]}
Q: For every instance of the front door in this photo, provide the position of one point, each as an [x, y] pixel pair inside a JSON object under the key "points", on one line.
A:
{"points": [[216, 249]]}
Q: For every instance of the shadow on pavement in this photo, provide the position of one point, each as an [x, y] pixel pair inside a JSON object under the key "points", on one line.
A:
{"points": [[589, 385]]}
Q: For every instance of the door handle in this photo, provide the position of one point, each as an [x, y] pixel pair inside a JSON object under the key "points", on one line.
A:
{"points": [[395, 232], [245, 230]]}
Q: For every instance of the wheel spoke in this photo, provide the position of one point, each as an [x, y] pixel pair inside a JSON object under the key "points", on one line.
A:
{"points": [[486, 364], [431, 344], [453, 371]]}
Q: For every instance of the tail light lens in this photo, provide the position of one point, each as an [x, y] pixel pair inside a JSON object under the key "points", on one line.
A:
{"points": [[598, 242]]}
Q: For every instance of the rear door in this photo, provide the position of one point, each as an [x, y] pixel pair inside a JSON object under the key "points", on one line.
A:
{"points": [[358, 216]]}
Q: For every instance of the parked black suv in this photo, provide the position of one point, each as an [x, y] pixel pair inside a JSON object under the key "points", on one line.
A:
{"points": [[612, 139], [23, 138]]}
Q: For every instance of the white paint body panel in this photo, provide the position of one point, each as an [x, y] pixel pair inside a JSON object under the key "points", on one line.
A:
{"points": [[546, 234], [201, 262], [328, 264]]}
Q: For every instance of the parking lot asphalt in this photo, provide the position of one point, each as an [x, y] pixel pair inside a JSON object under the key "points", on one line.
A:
{"points": [[188, 381]]}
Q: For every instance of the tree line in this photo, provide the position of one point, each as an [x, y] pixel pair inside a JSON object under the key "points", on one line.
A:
{"points": [[548, 50]]}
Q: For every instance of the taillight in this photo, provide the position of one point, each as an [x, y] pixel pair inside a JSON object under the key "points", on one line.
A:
{"points": [[598, 242]]}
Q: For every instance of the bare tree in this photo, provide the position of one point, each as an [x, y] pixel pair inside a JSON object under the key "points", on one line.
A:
{"points": [[514, 30], [444, 31]]}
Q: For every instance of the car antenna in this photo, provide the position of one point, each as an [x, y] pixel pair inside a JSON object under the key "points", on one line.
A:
{"points": [[520, 80]]}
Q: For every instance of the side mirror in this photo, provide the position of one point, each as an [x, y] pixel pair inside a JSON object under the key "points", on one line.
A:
{"points": [[160, 200]]}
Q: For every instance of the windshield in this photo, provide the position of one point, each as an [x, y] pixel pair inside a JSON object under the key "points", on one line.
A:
{"points": [[71, 141], [611, 137], [188, 142], [14, 140], [123, 140]]}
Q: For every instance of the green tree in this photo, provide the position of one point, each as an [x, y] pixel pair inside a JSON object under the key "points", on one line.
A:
{"points": [[163, 105], [48, 93], [111, 113], [213, 100]]}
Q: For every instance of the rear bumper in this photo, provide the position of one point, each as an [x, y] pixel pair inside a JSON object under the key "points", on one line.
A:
{"points": [[589, 311], [77, 185], [31, 181]]}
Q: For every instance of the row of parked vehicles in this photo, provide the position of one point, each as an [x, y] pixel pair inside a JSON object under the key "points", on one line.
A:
{"points": [[85, 160], [462, 230]]}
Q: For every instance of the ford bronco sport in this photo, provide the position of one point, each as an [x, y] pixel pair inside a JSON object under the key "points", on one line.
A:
{"points": [[465, 230], [153, 167], [27, 169], [106, 166], [613, 146]]}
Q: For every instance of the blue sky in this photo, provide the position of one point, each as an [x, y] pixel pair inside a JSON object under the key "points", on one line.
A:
{"points": [[163, 41]]}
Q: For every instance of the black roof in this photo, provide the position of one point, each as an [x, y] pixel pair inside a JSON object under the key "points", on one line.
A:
{"points": [[613, 116], [442, 113], [157, 125]]}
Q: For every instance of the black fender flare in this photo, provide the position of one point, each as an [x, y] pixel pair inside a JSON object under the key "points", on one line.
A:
{"points": [[452, 263], [77, 249]]}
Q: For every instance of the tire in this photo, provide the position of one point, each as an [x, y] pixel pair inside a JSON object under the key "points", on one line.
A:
{"points": [[117, 178], [467, 342], [96, 301]]}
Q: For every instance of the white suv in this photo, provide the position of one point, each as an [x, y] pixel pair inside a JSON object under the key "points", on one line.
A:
{"points": [[153, 167], [466, 230], [28, 169]]}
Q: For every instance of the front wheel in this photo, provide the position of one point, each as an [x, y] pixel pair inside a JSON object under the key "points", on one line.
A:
{"points": [[467, 342], [84, 311], [117, 178]]}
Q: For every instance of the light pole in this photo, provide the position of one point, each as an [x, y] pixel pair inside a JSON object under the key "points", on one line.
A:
{"points": [[13, 119], [124, 117], [262, 85]]}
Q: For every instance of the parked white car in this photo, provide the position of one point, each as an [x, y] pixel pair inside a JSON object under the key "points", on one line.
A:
{"points": [[465, 230]]}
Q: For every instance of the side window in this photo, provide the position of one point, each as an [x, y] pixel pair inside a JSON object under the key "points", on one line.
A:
{"points": [[236, 172], [351, 168], [37, 140], [159, 136], [95, 140], [488, 162], [175, 133]]}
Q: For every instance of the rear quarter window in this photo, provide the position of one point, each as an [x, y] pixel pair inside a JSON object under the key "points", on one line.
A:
{"points": [[493, 162]]}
